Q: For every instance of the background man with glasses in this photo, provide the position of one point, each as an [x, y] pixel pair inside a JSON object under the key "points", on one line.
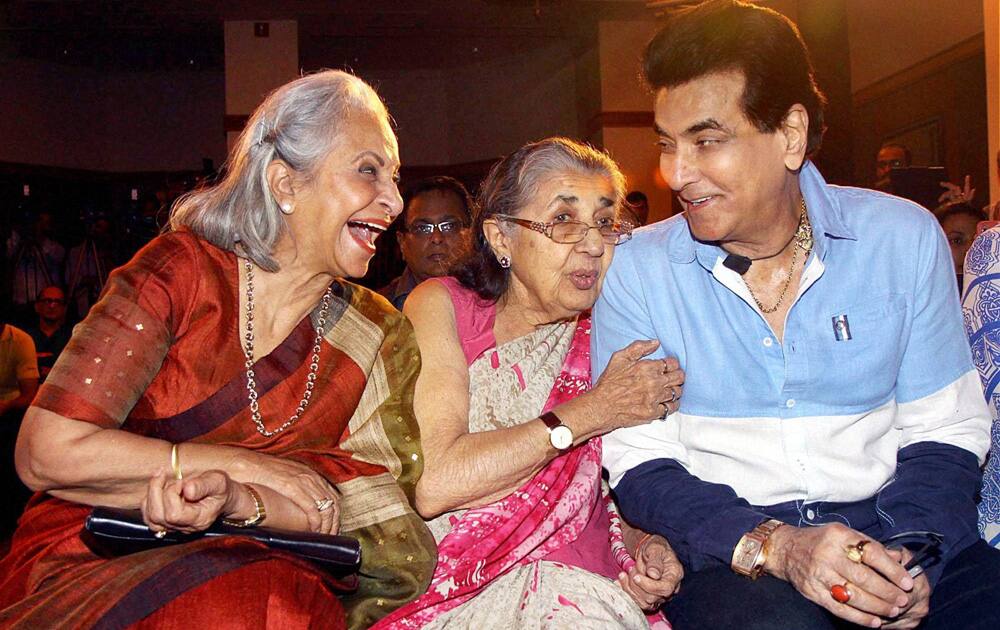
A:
{"points": [[890, 155], [51, 334], [433, 233]]}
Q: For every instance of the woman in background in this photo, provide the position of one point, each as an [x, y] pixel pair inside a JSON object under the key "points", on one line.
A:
{"points": [[959, 223]]}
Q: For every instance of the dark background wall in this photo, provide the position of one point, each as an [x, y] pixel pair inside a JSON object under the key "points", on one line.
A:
{"points": [[947, 92]]}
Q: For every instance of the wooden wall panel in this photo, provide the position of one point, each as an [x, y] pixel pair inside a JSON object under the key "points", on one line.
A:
{"points": [[949, 88]]}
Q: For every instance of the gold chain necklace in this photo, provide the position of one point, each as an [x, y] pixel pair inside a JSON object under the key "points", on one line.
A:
{"points": [[803, 239]]}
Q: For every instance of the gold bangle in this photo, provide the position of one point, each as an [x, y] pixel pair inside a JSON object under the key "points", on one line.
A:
{"points": [[260, 512], [175, 462]]}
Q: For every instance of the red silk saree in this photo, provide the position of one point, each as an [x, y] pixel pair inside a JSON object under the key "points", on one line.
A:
{"points": [[160, 356]]}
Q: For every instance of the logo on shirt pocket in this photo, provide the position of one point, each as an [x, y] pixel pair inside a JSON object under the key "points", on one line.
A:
{"points": [[864, 348]]}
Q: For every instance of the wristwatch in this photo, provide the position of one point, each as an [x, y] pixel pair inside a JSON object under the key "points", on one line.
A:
{"points": [[560, 435], [750, 553]]}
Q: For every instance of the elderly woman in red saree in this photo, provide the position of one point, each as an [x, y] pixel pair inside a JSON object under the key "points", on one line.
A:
{"points": [[233, 353], [510, 422]]}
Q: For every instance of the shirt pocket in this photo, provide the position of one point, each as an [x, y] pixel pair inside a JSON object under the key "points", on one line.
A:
{"points": [[859, 365]]}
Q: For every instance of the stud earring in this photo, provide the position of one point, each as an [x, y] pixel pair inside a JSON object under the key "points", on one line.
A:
{"points": [[504, 262], [286, 208]]}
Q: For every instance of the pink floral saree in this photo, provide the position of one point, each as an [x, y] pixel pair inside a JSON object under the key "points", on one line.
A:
{"points": [[558, 516]]}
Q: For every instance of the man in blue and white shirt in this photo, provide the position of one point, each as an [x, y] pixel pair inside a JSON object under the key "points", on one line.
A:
{"points": [[830, 401]]}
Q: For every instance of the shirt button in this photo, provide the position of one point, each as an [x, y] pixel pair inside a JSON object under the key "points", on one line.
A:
{"points": [[810, 514], [768, 342], [790, 403]]}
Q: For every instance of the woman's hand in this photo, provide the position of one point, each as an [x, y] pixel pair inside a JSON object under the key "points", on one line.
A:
{"points": [[633, 390], [656, 576], [193, 504], [299, 483], [814, 559]]}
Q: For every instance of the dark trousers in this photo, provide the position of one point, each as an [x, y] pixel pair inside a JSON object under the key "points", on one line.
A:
{"points": [[967, 597]]}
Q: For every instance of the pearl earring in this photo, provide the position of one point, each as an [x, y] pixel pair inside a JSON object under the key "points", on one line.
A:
{"points": [[286, 208]]}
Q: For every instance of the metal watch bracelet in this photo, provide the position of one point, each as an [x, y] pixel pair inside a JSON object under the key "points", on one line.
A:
{"points": [[750, 553]]}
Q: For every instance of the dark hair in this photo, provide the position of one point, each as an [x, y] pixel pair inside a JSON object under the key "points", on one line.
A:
{"points": [[510, 186], [441, 183], [957, 209], [765, 46], [635, 197], [907, 156]]}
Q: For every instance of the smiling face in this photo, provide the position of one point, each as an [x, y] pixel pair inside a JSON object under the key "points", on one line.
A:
{"points": [[558, 280], [431, 255], [351, 198], [732, 180]]}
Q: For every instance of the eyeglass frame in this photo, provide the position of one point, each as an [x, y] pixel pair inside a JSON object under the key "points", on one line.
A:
{"points": [[893, 163], [51, 301], [546, 228], [435, 226]]}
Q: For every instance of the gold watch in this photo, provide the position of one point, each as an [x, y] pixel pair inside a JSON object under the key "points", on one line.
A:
{"points": [[750, 553], [259, 512]]}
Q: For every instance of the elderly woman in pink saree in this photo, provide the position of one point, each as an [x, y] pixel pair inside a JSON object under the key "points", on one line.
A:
{"points": [[510, 422]]}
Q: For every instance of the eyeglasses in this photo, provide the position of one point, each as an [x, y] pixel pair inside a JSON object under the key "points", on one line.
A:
{"points": [[614, 233], [890, 163], [50, 301], [426, 229]]}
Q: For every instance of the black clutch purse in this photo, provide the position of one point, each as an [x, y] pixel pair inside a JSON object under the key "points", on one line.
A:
{"points": [[117, 531]]}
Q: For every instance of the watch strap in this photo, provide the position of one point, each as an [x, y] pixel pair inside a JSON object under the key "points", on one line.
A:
{"points": [[551, 420]]}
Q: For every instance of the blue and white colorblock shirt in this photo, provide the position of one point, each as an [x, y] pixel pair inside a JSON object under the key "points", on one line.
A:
{"points": [[878, 412]]}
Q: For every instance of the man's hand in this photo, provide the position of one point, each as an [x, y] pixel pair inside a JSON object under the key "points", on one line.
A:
{"points": [[814, 559], [956, 194], [920, 598]]}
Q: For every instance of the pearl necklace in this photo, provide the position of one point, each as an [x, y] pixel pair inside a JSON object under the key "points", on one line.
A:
{"points": [[313, 366]]}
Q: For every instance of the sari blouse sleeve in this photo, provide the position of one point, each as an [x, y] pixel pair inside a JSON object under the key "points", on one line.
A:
{"points": [[118, 348]]}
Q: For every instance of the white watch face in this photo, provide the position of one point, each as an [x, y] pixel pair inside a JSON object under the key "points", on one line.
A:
{"points": [[561, 437]]}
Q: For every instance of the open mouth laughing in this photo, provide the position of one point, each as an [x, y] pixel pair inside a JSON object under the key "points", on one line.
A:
{"points": [[365, 232]]}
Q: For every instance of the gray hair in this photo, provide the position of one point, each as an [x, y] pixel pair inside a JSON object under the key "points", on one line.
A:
{"points": [[510, 187], [297, 123], [543, 159]]}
